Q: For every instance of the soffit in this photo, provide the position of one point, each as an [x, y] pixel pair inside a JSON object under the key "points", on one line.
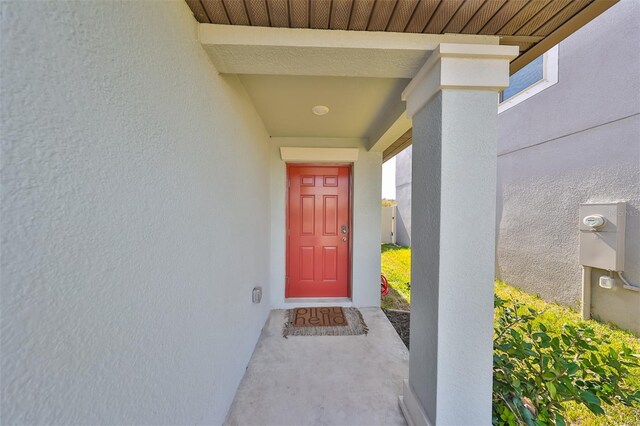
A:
{"points": [[533, 25], [386, 41]]}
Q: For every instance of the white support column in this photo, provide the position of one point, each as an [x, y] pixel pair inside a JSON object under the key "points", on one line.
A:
{"points": [[453, 102]]}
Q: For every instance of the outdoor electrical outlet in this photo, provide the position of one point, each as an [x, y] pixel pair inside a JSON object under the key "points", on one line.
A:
{"points": [[607, 282], [256, 295]]}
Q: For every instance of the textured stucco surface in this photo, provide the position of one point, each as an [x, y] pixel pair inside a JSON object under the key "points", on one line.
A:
{"points": [[452, 268], [576, 142], [541, 189], [403, 197], [367, 182], [135, 218], [423, 375]]}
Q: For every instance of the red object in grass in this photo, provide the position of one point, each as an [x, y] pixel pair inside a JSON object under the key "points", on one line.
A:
{"points": [[384, 285]]}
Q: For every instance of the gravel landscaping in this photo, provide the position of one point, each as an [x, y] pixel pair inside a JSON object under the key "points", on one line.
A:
{"points": [[400, 321]]}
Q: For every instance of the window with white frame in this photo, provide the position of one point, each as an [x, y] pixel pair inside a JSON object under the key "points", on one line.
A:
{"points": [[536, 76]]}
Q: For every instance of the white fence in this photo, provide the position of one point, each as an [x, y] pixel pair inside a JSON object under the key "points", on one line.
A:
{"points": [[388, 225]]}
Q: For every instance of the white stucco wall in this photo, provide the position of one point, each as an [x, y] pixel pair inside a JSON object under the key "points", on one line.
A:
{"points": [[367, 174], [135, 217]]}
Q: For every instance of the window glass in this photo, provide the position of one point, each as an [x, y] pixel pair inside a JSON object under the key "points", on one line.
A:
{"points": [[527, 76]]}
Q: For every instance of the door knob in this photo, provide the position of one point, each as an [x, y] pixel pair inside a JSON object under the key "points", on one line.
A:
{"points": [[344, 239]]}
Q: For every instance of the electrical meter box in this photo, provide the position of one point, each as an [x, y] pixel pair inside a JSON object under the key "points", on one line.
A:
{"points": [[602, 235]]}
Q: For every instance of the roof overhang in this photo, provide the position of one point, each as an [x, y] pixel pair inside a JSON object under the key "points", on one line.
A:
{"points": [[261, 51], [533, 25], [385, 40], [569, 27]]}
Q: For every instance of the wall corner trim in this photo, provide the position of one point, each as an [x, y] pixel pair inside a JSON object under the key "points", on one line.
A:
{"points": [[318, 155], [411, 407]]}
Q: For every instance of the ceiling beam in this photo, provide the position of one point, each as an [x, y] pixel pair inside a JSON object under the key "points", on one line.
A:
{"points": [[398, 146], [300, 51], [392, 134]]}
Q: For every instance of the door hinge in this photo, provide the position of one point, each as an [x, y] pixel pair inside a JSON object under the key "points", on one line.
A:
{"points": [[288, 183]]}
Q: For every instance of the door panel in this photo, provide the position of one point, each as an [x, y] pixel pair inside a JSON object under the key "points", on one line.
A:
{"points": [[330, 216], [317, 247], [330, 263], [307, 215], [306, 263]]}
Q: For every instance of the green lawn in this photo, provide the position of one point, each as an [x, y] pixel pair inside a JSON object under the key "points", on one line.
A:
{"points": [[396, 265]]}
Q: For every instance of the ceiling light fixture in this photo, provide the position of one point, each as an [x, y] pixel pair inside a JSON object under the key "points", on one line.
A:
{"points": [[320, 110]]}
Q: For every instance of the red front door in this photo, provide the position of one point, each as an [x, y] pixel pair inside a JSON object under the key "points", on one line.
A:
{"points": [[318, 231]]}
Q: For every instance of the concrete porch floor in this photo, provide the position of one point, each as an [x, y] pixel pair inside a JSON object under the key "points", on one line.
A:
{"points": [[323, 380]]}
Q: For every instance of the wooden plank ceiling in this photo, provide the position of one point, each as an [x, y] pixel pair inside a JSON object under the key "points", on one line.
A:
{"points": [[533, 25]]}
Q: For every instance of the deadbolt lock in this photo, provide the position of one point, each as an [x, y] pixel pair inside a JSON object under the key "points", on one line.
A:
{"points": [[344, 229]]}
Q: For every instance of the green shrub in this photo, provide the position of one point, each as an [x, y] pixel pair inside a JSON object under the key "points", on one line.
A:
{"points": [[536, 372]]}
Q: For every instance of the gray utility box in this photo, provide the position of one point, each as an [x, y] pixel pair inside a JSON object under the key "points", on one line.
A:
{"points": [[602, 235]]}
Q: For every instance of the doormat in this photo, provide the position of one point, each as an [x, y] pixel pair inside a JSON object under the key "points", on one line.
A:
{"points": [[325, 321]]}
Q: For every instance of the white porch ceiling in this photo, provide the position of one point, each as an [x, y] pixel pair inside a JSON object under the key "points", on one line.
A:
{"points": [[359, 76], [358, 105]]}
